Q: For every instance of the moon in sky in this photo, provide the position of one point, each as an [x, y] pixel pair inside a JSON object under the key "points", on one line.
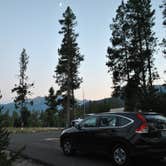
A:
{"points": [[60, 4]]}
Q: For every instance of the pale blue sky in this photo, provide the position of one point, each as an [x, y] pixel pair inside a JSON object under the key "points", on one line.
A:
{"points": [[33, 25]]}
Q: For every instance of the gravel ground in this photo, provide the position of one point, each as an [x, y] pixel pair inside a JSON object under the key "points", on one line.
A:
{"points": [[24, 162]]}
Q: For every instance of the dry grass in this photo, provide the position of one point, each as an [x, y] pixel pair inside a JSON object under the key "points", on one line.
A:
{"points": [[32, 129]]}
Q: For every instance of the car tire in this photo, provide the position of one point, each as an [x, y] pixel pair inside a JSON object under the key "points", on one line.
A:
{"points": [[120, 155], [67, 147]]}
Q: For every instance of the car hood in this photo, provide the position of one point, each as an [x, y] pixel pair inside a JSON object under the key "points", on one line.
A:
{"points": [[69, 130]]}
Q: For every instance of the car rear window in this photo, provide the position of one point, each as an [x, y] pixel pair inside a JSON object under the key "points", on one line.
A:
{"points": [[156, 121]]}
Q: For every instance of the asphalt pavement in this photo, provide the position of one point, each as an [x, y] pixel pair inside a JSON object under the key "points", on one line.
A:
{"points": [[44, 147]]}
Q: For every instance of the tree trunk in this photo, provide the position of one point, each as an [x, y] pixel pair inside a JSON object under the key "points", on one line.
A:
{"points": [[68, 108]]}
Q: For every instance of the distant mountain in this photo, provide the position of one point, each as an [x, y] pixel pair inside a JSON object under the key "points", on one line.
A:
{"points": [[38, 105]]}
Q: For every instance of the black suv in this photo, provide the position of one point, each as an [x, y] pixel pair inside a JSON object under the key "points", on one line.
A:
{"points": [[122, 135]]}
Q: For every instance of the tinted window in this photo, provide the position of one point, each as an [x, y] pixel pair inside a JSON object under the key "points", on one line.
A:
{"points": [[113, 121], [156, 118], [90, 122], [108, 121], [122, 121], [156, 121]]}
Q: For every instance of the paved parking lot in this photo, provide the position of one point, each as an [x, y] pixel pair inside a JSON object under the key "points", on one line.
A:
{"points": [[45, 147]]}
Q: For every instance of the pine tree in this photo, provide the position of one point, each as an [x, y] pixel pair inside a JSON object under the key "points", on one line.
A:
{"points": [[163, 6], [51, 99], [67, 74], [33, 120], [119, 58], [51, 110], [16, 119], [23, 90], [143, 47], [131, 55], [4, 141]]}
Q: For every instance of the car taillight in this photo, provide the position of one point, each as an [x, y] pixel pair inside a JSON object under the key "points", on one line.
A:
{"points": [[143, 128]]}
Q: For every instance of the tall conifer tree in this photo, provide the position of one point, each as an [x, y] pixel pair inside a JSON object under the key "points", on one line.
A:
{"points": [[163, 6], [51, 110], [23, 89], [143, 48], [67, 74], [131, 55], [119, 58]]}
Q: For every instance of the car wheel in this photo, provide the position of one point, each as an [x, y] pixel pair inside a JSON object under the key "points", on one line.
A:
{"points": [[120, 155], [67, 147]]}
